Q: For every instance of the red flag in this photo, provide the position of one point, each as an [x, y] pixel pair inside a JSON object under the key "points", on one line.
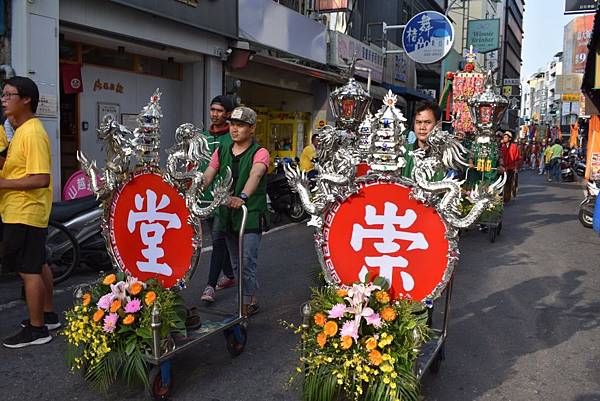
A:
{"points": [[71, 78]]}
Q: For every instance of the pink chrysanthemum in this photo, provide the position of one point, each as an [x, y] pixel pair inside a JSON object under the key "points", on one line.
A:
{"points": [[337, 312], [133, 306], [110, 322]]}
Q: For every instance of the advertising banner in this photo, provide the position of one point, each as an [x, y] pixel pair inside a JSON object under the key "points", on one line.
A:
{"points": [[576, 37], [483, 35], [568, 83], [580, 6]]}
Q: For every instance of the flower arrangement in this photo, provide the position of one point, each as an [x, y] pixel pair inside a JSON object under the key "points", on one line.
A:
{"points": [[108, 329], [361, 344], [492, 214]]}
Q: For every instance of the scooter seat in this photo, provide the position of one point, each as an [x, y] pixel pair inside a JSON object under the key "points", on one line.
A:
{"points": [[64, 211]]}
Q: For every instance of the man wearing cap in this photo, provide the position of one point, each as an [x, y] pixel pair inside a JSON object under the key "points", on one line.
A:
{"points": [[218, 135], [248, 162], [510, 157]]}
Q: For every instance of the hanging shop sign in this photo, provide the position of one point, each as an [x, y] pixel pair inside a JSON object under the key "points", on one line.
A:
{"points": [[580, 6], [382, 231], [328, 6], [47, 106], [484, 35], [428, 37], [344, 48]]}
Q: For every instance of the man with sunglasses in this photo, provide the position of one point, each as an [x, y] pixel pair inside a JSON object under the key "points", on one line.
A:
{"points": [[25, 203]]}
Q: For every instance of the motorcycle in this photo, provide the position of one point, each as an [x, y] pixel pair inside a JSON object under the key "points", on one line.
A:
{"points": [[586, 207], [566, 171], [75, 236], [280, 198]]}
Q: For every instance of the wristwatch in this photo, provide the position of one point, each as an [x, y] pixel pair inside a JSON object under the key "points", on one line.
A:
{"points": [[243, 197]]}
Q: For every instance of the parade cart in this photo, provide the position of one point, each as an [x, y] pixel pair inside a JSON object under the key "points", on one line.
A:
{"points": [[152, 226], [387, 241]]}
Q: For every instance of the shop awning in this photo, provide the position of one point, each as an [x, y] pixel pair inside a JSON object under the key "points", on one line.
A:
{"points": [[590, 85], [408, 93], [298, 68]]}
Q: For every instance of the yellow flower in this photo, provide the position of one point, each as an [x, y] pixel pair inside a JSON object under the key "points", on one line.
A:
{"points": [[388, 314], [321, 339], [371, 344], [342, 293], [375, 357], [331, 328], [115, 306], [320, 319], [86, 299], [110, 279], [346, 342], [129, 319], [382, 297], [98, 315], [135, 288], [150, 298]]}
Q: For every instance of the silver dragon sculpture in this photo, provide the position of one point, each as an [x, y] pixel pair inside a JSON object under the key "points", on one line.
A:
{"points": [[445, 153]]}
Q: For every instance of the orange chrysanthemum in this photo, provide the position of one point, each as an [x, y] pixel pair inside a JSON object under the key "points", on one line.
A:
{"points": [[388, 314], [382, 297], [342, 293], [150, 297], [331, 328], [321, 339], [86, 299], [110, 279], [129, 319], [115, 306], [375, 357], [135, 288], [346, 342], [320, 319], [98, 315], [371, 344]]}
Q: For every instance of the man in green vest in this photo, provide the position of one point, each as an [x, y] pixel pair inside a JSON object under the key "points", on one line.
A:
{"points": [[217, 136], [427, 117], [248, 162]]}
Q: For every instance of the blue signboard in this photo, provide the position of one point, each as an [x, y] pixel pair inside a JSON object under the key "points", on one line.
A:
{"points": [[428, 37]]}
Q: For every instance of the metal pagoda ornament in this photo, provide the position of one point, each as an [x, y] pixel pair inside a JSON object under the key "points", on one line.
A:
{"points": [[404, 229], [152, 217]]}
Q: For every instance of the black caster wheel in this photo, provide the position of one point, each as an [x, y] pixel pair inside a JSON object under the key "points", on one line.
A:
{"points": [[499, 229], [159, 390], [492, 234], [236, 339]]}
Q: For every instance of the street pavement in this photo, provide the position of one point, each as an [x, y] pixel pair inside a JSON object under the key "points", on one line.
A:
{"points": [[524, 318]]}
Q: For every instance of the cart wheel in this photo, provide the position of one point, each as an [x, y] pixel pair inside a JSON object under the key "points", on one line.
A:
{"points": [[236, 339], [437, 362], [492, 234], [499, 229], [157, 390]]}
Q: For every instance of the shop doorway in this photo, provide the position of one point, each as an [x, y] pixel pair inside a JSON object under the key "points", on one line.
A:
{"points": [[69, 135]]}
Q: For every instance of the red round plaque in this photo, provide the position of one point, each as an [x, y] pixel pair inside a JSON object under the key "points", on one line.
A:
{"points": [[149, 230], [380, 230]]}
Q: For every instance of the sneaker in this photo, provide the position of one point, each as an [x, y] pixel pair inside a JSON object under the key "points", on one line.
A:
{"points": [[28, 336], [225, 282], [250, 310], [208, 295], [50, 321]]}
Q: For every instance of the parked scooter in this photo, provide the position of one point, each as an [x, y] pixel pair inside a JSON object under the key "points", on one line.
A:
{"points": [[566, 170], [74, 236], [281, 200], [586, 207]]}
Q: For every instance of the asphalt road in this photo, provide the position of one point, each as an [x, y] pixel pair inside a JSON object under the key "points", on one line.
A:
{"points": [[525, 319]]}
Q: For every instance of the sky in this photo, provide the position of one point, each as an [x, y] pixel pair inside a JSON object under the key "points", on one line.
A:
{"points": [[543, 24]]}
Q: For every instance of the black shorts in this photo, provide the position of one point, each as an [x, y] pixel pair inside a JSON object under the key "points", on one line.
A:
{"points": [[24, 248]]}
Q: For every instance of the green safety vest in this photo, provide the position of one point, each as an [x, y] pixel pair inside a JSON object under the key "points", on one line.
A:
{"points": [[258, 215], [214, 143]]}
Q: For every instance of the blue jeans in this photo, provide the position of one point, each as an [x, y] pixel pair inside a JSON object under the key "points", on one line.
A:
{"points": [[555, 172], [219, 260], [250, 256]]}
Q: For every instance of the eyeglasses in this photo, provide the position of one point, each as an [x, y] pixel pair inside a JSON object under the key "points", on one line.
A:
{"points": [[9, 95]]}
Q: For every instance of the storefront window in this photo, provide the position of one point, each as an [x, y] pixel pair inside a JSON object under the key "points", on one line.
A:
{"points": [[281, 137], [107, 57]]}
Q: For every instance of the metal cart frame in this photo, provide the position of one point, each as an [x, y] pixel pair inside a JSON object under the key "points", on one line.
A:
{"points": [[233, 325]]}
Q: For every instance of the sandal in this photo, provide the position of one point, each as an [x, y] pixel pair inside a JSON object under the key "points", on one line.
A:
{"points": [[251, 309]]}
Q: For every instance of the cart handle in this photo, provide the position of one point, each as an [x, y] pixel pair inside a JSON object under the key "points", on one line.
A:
{"points": [[241, 261]]}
